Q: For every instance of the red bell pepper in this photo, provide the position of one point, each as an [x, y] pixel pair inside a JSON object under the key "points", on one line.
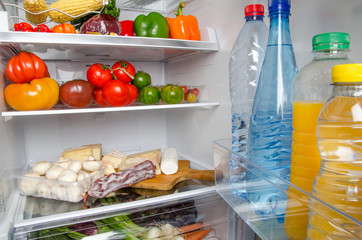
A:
{"points": [[42, 28], [23, 27], [127, 28]]}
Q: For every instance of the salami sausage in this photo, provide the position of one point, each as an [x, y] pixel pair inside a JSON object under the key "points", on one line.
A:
{"points": [[124, 178]]}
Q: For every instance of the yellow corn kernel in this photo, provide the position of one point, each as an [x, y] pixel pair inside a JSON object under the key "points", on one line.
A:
{"points": [[72, 7], [35, 6]]}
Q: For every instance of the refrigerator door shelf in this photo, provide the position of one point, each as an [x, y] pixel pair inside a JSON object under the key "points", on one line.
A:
{"points": [[266, 226], [78, 47]]}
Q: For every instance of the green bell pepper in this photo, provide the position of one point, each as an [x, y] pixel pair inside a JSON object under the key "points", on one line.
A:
{"points": [[152, 25]]}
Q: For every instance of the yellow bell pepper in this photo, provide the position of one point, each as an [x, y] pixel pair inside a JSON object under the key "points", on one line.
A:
{"points": [[38, 94]]}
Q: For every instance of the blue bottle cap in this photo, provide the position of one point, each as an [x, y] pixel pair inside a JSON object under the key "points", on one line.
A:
{"points": [[279, 5]]}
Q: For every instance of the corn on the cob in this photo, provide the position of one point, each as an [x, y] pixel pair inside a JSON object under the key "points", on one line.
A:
{"points": [[35, 6], [72, 7]]}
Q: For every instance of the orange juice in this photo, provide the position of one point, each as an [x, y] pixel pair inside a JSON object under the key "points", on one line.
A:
{"points": [[339, 182], [305, 164]]}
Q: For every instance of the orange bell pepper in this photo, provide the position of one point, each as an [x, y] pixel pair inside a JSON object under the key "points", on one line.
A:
{"points": [[38, 94], [184, 27], [64, 28]]}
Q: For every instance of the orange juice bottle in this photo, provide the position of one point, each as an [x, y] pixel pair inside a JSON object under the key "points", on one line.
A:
{"points": [[339, 181], [310, 90]]}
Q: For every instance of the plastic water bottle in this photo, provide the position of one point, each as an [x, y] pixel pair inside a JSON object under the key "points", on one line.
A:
{"points": [[244, 68], [339, 181], [311, 89], [270, 133]]}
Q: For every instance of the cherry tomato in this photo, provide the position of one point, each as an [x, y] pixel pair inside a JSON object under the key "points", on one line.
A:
{"points": [[115, 93], [191, 97], [184, 88], [98, 98], [123, 71], [99, 74], [195, 91], [133, 93]]}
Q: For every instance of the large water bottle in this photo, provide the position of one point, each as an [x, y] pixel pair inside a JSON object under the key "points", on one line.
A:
{"points": [[339, 181], [311, 89], [270, 134], [244, 68]]}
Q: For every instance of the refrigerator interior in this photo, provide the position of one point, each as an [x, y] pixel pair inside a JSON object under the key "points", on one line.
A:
{"points": [[29, 138]]}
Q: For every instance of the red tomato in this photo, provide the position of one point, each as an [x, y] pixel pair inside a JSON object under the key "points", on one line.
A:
{"points": [[98, 97], [133, 93], [76, 93], [25, 67], [123, 71], [184, 88], [99, 74], [115, 93], [195, 91]]}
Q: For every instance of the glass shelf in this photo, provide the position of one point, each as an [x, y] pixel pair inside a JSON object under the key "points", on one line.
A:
{"points": [[59, 111], [87, 47], [271, 226]]}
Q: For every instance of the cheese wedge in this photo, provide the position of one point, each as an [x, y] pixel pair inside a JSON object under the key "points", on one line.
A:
{"points": [[84, 152], [115, 157], [96, 150], [78, 153], [109, 169], [153, 155]]}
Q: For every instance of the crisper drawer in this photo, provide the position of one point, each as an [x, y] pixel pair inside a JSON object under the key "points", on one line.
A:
{"points": [[174, 216], [284, 218]]}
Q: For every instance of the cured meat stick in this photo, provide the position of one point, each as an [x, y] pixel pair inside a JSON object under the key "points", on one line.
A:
{"points": [[124, 178]]}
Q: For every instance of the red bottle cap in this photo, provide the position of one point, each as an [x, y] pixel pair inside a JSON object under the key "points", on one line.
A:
{"points": [[254, 9]]}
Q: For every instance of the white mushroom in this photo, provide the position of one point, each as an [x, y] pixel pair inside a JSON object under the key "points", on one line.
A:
{"points": [[41, 167], [28, 183], [53, 172], [59, 191], [91, 165], [74, 194], [63, 162], [76, 166], [43, 189], [67, 175], [82, 175]]}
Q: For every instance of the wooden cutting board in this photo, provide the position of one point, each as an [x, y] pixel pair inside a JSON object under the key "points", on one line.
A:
{"points": [[167, 182]]}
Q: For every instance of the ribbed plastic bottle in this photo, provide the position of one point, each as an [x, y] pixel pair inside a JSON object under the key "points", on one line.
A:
{"points": [[339, 181], [310, 90], [270, 134], [245, 63], [244, 68]]}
